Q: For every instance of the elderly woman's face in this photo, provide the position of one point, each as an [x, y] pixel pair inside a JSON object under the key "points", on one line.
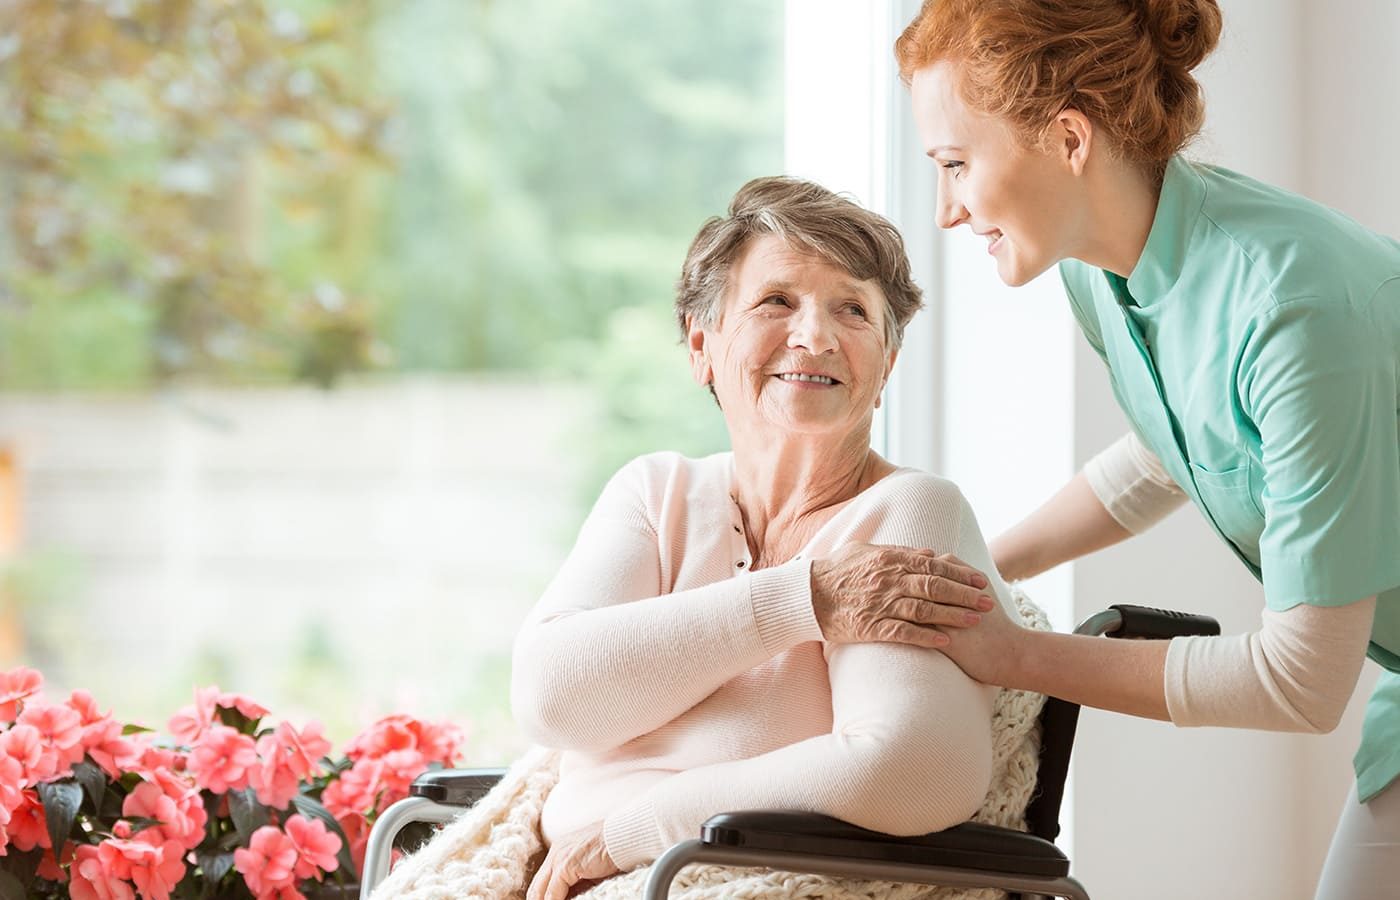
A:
{"points": [[800, 344]]}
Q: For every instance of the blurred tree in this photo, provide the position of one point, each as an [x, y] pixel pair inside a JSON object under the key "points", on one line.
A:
{"points": [[198, 187], [132, 135], [556, 157]]}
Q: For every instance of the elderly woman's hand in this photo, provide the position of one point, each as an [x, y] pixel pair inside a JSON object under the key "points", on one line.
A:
{"points": [[575, 858], [898, 594]]}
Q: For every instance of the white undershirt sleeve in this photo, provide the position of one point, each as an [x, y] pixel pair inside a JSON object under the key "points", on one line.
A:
{"points": [[1295, 674], [1130, 482]]}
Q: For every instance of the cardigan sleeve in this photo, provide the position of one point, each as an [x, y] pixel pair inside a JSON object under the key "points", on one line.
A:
{"points": [[910, 747], [1296, 673], [1132, 485], [605, 656]]}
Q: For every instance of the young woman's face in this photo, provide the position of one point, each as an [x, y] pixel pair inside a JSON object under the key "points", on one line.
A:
{"points": [[1021, 200]]}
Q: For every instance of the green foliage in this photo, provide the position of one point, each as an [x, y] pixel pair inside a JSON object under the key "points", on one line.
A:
{"points": [[131, 136], [556, 157], [262, 190], [647, 398]]}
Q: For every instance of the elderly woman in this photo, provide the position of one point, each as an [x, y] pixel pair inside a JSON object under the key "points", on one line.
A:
{"points": [[697, 652]]}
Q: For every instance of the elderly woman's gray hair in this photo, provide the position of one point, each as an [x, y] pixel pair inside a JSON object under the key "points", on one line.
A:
{"points": [[811, 219]]}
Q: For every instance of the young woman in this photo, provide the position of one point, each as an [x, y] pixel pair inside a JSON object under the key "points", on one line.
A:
{"points": [[1251, 337]]}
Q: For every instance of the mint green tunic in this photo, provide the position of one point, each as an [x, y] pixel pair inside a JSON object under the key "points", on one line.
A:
{"points": [[1254, 348]]}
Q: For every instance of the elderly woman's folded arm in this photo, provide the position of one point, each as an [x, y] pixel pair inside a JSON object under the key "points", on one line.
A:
{"points": [[605, 657], [910, 749], [910, 752]]}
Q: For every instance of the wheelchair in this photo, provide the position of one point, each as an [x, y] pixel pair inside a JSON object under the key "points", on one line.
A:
{"points": [[971, 855]]}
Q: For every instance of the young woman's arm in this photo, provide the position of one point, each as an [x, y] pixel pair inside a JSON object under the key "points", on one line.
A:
{"points": [[1121, 492]]}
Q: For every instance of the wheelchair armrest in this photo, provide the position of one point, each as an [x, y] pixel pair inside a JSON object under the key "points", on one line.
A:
{"points": [[455, 787], [1146, 622], [968, 846]]}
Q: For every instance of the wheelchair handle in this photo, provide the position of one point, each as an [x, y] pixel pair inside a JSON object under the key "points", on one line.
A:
{"points": [[1124, 620]]}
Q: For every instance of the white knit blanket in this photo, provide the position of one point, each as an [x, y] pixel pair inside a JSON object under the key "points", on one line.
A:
{"points": [[493, 849]]}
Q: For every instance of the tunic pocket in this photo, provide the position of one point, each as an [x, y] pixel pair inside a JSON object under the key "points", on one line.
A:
{"points": [[1229, 500]]}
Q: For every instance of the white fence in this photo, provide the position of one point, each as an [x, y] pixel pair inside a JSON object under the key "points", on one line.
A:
{"points": [[334, 554]]}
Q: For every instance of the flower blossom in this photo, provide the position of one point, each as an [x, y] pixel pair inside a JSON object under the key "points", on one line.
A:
{"points": [[12, 784], [151, 758], [27, 827], [102, 737], [221, 758], [152, 863], [15, 686], [357, 790], [54, 871], [60, 739], [316, 846], [25, 746], [285, 759], [173, 802], [93, 876], [436, 743], [356, 828], [268, 863], [189, 723], [388, 756]]}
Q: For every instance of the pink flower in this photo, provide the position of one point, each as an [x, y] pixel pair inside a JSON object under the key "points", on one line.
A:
{"points": [[268, 863], [174, 803], [189, 724], [154, 864], [82, 703], [357, 790], [15, 686], [250, 708], [102, 737], [221, 758], [271, 778], [12, 782], [356, 828], [92, 877], [305, 749], [24, 745], [114, 754], [437, 743], [60, 737], [316, 847], [285, 759], [152, 758], [51, 871], [27, 827]]}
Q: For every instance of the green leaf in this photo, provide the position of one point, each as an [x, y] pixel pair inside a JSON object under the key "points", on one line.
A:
{"points": [[214, 866], [313, 809], [94, 782], [234, 719], [22, 865], [135, 729], [61, 800], [10, 887], [248, 814]]}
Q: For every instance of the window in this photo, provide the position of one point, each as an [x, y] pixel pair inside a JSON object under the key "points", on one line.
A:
{"points": [[325, 322]]}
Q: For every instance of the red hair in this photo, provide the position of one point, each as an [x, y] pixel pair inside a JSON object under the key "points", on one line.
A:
{"points": [[1126, 64]]}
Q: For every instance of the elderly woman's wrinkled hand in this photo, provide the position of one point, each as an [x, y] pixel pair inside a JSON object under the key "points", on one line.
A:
{"points": [[577, 858], [898, 594]]}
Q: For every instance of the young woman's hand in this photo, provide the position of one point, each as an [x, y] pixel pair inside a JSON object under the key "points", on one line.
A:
{"points": [[574, 859], [987, 653], [865, 592]]}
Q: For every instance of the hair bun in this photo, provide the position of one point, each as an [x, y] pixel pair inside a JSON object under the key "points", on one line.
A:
{"points": [[1183, 31]]}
